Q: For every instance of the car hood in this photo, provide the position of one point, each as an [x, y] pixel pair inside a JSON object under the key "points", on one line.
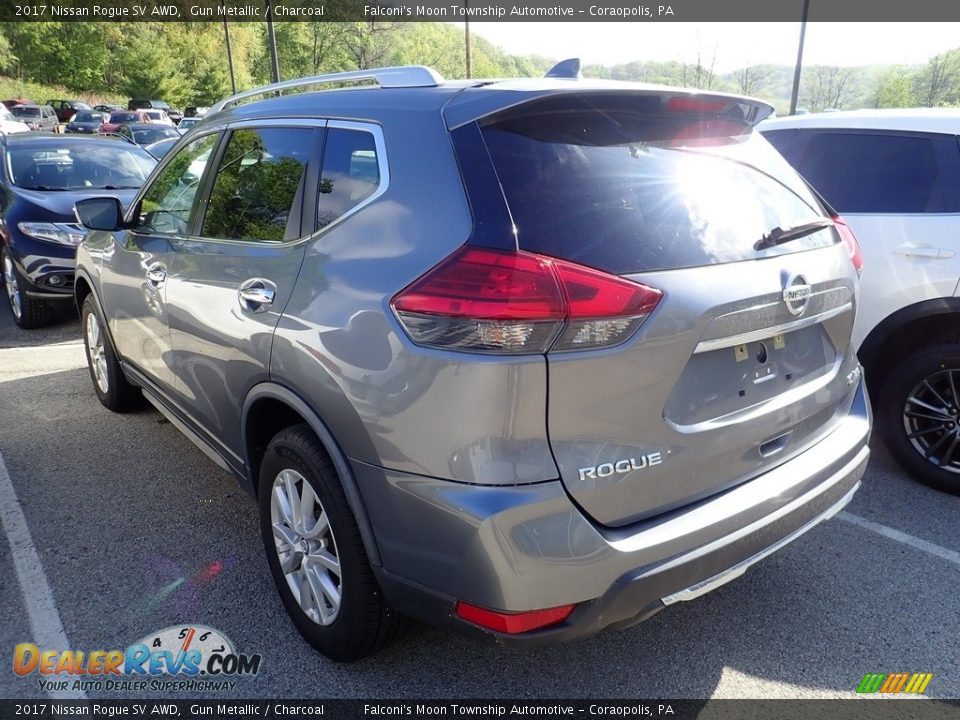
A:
{"points": [[61, 202]]}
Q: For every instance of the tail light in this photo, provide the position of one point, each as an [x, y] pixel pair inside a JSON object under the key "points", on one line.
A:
{"points": [[850, 242], [516, 302]]}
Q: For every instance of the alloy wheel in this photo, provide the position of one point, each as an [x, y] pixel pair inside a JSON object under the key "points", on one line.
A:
{"points": [[10, 283], [97, 353], [306, 547], [930, 419]]}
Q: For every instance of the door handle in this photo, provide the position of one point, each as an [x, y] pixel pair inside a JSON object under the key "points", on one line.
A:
{"points": [[256, 295], [156, 275], [925, 252]]}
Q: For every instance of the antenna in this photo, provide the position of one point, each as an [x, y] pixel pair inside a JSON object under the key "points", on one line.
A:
{"points": [[569, 69]]}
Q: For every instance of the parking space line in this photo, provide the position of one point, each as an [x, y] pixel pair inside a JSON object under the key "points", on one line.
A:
{"points": [[951, 556], [45, 622]]}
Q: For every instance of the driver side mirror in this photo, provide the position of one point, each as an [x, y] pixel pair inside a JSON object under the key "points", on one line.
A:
{"points": [[102, 213]]}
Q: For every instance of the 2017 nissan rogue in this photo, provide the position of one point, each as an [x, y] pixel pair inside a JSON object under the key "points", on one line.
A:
{"points": [[527, 358]]}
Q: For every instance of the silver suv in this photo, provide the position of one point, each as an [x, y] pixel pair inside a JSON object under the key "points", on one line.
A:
{"points": [[527, 358]]}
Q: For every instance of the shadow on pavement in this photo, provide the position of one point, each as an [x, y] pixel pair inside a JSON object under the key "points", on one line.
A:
{"points": [[139, 531]]}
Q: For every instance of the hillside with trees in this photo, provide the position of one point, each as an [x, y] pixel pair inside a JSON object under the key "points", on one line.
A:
{"points": [[186, 64]]}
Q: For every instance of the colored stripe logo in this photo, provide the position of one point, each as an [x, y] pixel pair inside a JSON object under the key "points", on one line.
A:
{"points": [[913, 683]]}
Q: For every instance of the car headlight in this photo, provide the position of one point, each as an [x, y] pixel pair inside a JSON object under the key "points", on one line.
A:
{"points": [[54, 232]]}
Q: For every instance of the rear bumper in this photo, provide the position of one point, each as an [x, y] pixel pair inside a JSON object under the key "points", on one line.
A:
{"points": [[529, 547]]}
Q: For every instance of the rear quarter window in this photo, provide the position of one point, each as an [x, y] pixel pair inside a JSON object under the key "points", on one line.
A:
{"points": [[877, 171]]}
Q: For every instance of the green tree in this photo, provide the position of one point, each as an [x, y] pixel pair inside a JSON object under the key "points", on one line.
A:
{"points": [[939, 82], [895, 88]]}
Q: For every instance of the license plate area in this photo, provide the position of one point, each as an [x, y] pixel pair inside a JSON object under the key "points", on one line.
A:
{"points": [[726, 380]]}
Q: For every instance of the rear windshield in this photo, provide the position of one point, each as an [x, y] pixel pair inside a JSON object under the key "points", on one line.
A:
{"points": [[26, 111], [145, 136], [619, 185], [85, 116], [124, 117]]}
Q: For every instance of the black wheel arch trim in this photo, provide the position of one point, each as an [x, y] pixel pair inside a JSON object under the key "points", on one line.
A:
{"points": [[273, 391], [878, 337]]}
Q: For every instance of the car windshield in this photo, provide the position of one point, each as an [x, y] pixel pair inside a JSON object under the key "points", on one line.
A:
{"points": [[159, 104], [27, 112], [154, 114], [80, 106], [124, 117], [79, 166], [145, 136], [89, 117]]}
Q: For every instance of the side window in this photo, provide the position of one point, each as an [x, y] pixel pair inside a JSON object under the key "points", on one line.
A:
{"points": [[350, 174], [875, 172], [166, 207], [259, 186]]}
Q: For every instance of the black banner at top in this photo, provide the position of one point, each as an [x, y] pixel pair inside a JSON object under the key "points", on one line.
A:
{"points": [[479, 10]]}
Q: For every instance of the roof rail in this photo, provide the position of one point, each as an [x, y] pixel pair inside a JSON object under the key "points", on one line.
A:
{"points": [[389, 77]]}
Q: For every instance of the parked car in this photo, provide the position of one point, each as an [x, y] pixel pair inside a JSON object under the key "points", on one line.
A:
{"points": [[148, 134], [86, 121], [583, 354], [124, 117], [66, 109], [175, 115], [41, 177], [895, 176], [108, 108], [37, 117], [17, 101], [187, 123], [195, 111], [10, 124], [161, 147], [159, 117]]}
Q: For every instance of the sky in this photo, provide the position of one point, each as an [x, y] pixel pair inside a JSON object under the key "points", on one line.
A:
{"points": [[735, 44]]}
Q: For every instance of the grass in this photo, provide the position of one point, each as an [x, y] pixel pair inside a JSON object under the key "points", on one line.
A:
{"points": [[39, 93]]}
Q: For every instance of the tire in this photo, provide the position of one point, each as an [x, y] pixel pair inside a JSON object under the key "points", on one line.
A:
{"points": [[113, 389], [350, 619], [917, 414], [28, 313]]}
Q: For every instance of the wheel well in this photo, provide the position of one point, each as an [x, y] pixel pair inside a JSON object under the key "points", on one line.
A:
{"points": [[80, 291], [881, 354], [265, 419]]}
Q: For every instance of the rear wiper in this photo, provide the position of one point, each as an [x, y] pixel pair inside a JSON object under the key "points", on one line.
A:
{"points": [[780, 235]]}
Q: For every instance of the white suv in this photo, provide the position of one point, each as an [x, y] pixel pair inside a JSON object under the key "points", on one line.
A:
{"points": [[894, 175]]}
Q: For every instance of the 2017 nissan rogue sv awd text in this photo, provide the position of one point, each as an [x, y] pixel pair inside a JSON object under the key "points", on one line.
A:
{"points": [[528, 358]]}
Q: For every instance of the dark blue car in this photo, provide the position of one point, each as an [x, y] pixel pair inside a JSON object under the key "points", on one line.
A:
{"points": [[41, 178]]}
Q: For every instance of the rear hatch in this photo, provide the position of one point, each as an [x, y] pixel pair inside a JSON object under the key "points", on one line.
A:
{"points": [[746, 358]]}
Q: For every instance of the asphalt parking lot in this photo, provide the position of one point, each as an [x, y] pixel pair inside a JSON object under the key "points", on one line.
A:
{"points": [[136, 530]]}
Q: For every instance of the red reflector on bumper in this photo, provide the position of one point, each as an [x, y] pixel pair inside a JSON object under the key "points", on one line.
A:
{"points": [[513, 623]]}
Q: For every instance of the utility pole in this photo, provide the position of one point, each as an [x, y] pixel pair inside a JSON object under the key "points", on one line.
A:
{"points": [[466, 39], [796, 73], [272, 44], [226, 34]]}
